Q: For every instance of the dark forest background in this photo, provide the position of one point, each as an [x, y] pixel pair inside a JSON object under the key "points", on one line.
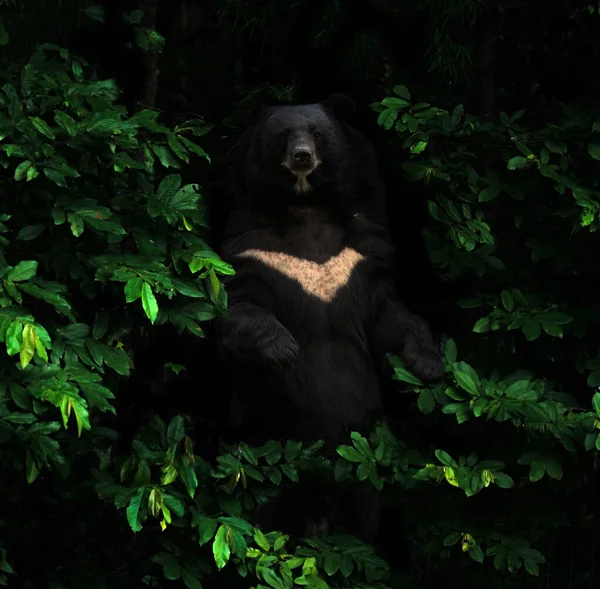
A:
{"points": [[486, 119]]}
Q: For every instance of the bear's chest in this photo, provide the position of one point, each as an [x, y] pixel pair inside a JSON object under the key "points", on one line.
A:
{"points": [[316, 254], [310, 235]]}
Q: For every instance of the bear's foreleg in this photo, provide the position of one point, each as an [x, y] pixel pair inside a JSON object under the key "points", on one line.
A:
{"points": [[401, 332], [252, 335]]}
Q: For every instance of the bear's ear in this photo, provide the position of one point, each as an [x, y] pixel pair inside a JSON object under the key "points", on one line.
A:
{"points": [[255, 110], [343, 106]]}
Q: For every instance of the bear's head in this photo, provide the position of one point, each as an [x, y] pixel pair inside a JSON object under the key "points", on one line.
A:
{"points": [[300, 147]]}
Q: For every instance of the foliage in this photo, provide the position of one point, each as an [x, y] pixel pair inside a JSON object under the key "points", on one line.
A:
{"points": [[96, 242], [514, 212], [104, 246]]}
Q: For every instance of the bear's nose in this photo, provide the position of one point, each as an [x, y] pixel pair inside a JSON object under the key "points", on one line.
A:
{"points": [[302, 157]]}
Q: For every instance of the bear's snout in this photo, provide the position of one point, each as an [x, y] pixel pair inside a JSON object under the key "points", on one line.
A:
{"points": [[301, 155]]}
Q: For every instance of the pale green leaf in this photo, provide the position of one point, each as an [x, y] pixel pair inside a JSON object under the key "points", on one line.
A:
{"points": [[149, 302]]}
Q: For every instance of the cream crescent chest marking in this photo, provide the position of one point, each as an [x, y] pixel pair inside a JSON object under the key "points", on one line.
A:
{"points": [[320, 280]]}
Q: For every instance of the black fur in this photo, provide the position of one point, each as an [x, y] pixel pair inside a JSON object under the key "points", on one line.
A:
{"points": [[303, 368]]}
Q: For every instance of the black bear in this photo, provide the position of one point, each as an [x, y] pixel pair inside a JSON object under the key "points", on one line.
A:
{"points": [[312, 307]]}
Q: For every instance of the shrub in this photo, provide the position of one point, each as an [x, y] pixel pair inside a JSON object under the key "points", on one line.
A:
{"points": [[102, 241]]}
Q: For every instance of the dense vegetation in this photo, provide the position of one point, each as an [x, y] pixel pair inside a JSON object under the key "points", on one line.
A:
{"points": [[113, 123]]}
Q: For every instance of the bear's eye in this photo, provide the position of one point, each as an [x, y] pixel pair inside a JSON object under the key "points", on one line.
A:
{"points": [[318, 135], [283, 134]]}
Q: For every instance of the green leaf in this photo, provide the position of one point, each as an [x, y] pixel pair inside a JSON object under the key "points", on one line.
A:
{"points": [[507, 300], [553, 147], [171, 567], [105, 226], [117, 360], [98, 396], [537, 470], [482, 325], [13, 291], [503, 480], [63, 120], [450, 351], [13, 336], [387, 118], [55, 176], [590, 441], [133, 510], [175, 431], [418, 147], [489, 193], [457, 114], [169, 186], [364, 470], [554, 468], [220, 547], [466, 382], [100, 325], [362, 445], [426, 401], [189, 478], [136, 17], [261, 540], [402, 373], [403, 92], [214, 282], [20, 418], [446, 459], [190, 581], [31, 232], [133, 289], [452, 539], [76, 223], [332, 563], [28, 345], [517, 389], [177, 145], [556, 317], [596, 403], [75, 331], [32, 470], [396, 103], [43, 127], [206, 530], [23, 271], [280, 542], [272, 579], [594, 150], [95, 12], [149, 302], [238, 524], [438, 213], [196, 149], [292, 450], [347, 565], [165, 156], [551, 329], [350, 453], [476, 553], [198, 127], [516, 163], [70, 402], [531, 328], [21, 170], [530, 566]]}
